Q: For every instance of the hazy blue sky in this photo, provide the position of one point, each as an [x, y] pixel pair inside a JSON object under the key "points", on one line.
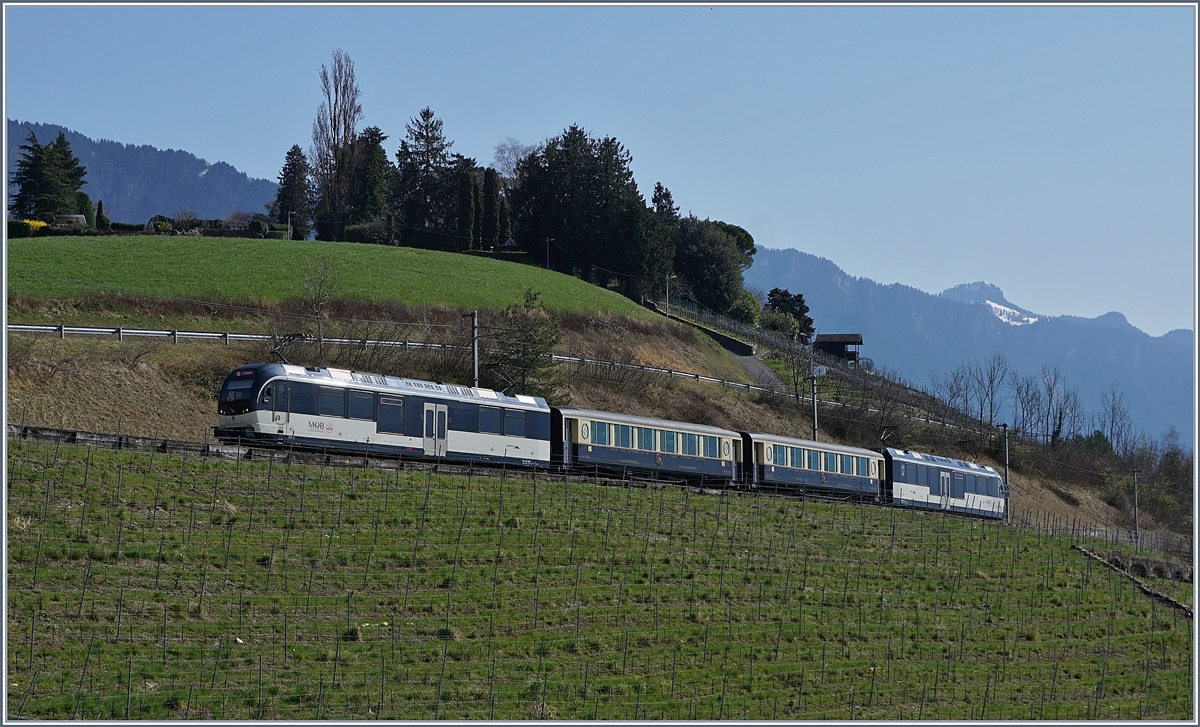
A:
{"points": [[1047, 150]]}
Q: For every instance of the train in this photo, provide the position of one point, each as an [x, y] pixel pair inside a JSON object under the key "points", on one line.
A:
{"points": [[285, 405]]}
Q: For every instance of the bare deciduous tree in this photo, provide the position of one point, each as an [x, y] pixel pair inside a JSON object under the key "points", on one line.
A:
{"points": [[1027, 399], [332, 151], [508, 153], [317, 289], [1114, 419]]}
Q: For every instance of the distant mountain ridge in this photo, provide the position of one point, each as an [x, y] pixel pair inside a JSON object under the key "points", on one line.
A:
{"points": [[918, 334], [137, 182]]}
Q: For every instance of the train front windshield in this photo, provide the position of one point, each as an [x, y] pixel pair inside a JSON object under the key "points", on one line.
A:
{"points": [[237, 395]]}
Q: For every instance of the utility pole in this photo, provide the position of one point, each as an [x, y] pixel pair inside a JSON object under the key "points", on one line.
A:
{"points": [[1137, 533], [548, 241], [813, 381], [289, 225], [475, 348], [1005, 428], [668, 305]]}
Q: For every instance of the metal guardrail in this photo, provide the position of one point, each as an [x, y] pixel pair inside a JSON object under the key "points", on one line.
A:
{"points": [[226, 337]]}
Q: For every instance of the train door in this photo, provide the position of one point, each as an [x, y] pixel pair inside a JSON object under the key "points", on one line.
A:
{"points": [[279, 404], [944, 488], [435, 429]]}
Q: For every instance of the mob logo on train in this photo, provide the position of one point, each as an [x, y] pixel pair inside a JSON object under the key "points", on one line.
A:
{"points": [[320, 426]]}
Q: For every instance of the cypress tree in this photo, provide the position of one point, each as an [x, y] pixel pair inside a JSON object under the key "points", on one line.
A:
{"points": [[102, 221], [466, 211], [491, 213], [505, 221], [477, 197]]}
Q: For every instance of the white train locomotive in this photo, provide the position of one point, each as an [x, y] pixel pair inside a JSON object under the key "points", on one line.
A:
{"points": [[324, 408]]}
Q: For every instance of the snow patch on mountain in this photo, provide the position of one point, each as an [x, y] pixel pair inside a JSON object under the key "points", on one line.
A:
{"points": [[1011, 316], [985, 293]]}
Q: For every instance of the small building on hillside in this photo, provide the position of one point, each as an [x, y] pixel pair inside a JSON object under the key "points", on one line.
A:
{"points": [[843, 345], [70, 220]]}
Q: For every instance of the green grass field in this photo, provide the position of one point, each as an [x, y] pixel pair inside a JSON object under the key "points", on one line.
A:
{"points": [[265, 271], [149, 586]]}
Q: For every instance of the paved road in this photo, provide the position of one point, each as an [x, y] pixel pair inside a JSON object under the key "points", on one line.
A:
{"points": [[760, 372]]}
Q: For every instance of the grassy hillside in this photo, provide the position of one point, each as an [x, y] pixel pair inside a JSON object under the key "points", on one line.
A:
{"points": [[269, 271], [149, 586]]}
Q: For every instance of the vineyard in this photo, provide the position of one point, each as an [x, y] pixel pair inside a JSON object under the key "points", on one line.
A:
{"points": [[147, 585]]}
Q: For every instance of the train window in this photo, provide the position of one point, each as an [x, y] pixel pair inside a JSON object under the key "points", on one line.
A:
{"points": [[304, 399], [331, 402], [969, 484], [490, 420], [441, 427], [994, 486], [690, 443], [860, 466], [463, 417], [622, 435], [780, 455], [847, 463], [814, 460], [666, 441], [957, 488], [599, 433], [429, 424], [712, 447], [237, 389], [830, 462], [645, 438], [934, 487], [362, 405], [391, 415], [514, 423], [537, 425]]}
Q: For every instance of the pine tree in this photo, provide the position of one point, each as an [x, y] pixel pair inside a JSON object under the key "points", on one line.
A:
{"points": [[48, 179], [426, 189], [294, 199], [368, 198]]}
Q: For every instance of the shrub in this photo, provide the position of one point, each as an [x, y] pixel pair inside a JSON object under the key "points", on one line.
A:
{"points": [[277, 235], [126, 227], [260, 227], [19, 228], [746, 309]]}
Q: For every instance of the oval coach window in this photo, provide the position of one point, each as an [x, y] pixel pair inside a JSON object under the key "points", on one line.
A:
{"points": [[768, 448], [584, 430], [725, 449]]}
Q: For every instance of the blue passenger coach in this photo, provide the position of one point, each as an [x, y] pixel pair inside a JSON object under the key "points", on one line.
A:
{"points": [[620, 442], [289, 405], [776, 461], [933, 482]]}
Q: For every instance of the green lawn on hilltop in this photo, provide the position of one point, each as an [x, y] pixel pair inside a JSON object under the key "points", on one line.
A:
{"points": [[267, 271]]}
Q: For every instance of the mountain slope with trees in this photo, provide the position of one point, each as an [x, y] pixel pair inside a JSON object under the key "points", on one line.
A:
{"points": [[927, 337], [137, 182]]}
